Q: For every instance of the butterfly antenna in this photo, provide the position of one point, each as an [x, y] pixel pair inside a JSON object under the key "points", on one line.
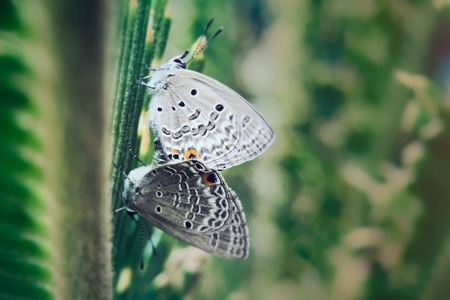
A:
{"points": [[206, 30], [142, 244], [202, 45], [151, 241], [207, 26], [185, 53]]}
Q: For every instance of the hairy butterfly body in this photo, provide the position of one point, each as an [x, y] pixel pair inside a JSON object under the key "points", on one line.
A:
{"points": [[196, 116], [193, 204]]}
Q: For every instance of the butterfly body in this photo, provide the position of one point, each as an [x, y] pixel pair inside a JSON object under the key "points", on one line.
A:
{"points": [[193, 204]]}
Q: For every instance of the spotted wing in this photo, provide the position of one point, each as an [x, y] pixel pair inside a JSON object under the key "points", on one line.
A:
{"points": [[195, 205], [196, 116]]}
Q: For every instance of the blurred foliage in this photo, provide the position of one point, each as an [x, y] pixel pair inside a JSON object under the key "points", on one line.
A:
{"points": [[54, 223], [351, 202], [24, 248]]}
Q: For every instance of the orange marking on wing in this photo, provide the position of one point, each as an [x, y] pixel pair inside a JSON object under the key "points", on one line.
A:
{"points": [[191, 154], [210, 179]]}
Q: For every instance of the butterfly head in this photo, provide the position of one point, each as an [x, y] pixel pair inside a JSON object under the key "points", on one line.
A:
{"points": [[160, 77], [166, 70], [132, 186], [177, 62]]}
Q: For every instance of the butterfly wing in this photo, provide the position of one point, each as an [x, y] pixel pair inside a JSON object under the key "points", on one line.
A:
{"points": [[195, 205], [197, 116]]}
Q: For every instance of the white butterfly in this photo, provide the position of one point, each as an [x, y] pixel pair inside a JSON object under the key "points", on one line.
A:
{"points": [[196, 116]]}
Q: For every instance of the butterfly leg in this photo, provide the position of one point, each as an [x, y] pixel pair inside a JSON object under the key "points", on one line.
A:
{"points": [[130, 148]]}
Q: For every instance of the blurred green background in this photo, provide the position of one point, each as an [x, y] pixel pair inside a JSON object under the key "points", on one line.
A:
{"points": [[350, 202]]}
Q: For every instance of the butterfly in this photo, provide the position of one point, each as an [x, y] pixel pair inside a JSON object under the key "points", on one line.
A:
{"points": [[197, 117], [191, 203]]}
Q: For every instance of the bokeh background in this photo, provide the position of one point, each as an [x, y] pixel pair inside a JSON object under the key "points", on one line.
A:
{"points": [[350, 202]]}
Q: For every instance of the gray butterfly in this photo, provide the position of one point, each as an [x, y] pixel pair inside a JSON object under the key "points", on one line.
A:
{"points": [[196, 116], [192, 203]]}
